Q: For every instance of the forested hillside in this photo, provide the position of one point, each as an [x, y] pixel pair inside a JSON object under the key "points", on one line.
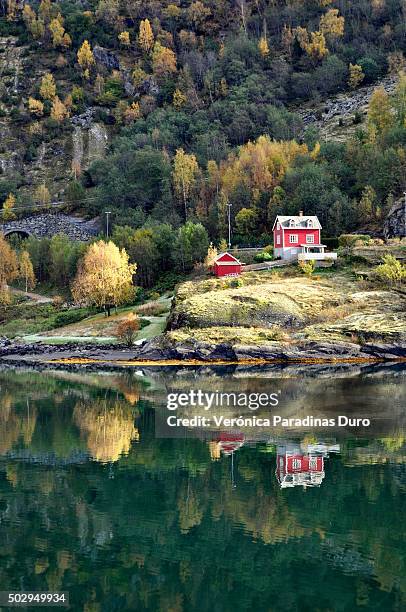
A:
{"points": [[171, 111]]}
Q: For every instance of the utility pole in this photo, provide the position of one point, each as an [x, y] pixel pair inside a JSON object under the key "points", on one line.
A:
{"points": [[229, 224], [108, 213]]}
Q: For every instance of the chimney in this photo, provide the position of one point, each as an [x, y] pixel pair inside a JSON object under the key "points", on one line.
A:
{"points": [[300, 213]]}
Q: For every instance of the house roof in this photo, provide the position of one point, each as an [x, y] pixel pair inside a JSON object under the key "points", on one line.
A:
{"points": [[226, 258], [300, 221]]}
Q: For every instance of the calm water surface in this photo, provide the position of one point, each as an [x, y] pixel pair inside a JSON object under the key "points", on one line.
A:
{"points": [[93, 503]]}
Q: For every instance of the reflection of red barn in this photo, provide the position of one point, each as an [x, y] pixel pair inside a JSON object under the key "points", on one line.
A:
{"points": [[229, 442], [226, 264], [295, 468]]}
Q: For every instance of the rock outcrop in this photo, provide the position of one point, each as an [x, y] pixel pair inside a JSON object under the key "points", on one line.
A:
{"points": [[395, 224]]}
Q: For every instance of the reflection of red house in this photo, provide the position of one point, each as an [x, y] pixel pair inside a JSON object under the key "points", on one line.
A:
{"points": [[293, 467], [226, 264]]}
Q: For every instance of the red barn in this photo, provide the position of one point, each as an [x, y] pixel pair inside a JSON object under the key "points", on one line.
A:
{"points": [[226, 265]]}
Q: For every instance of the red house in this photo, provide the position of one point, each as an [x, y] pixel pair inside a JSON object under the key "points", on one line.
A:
{"points": [[226, 265], [295, 467], [296, 234]]}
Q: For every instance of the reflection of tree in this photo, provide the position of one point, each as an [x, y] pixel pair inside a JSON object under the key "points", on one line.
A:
{"points": [[15, 425], [108, 428]]}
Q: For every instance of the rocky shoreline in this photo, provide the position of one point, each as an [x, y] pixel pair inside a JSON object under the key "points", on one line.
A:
{"points": [[160, 351]]}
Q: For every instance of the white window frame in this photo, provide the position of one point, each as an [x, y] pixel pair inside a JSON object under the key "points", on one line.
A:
{"points": [[296, 464], [278, 239], [294, 239], [309, 239], [278, 226], [292, 223], [310, 224]]}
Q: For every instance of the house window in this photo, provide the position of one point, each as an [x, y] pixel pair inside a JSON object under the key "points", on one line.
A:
{"points": [[278, 239], [292, 223], [278, 226], [310, 223], [296, 464], [313, 463], [293, 239], [310, 239]]}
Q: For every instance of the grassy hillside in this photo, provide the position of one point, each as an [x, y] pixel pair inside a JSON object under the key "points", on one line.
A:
{"points": [[286, 306]]}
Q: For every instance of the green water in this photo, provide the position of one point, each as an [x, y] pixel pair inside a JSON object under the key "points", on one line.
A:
{"points": [[93, 503]]}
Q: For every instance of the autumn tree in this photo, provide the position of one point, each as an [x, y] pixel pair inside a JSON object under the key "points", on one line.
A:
{"points": [[331, 24], [179, 99], [59, 112], [263, 46], [163, 61], [380, 117], [146, 36], [316, 48], [8, 213], [35, 107], [211, 256], [60, 38], [34, 25], [124, 38], [47, 88], [127, 329], [356, 75], [8, 268], [185, 169], [86, 59], [26, 270], [105, 277]]}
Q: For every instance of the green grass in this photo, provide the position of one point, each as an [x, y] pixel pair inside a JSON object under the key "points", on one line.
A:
{"points": [[27, 318]]}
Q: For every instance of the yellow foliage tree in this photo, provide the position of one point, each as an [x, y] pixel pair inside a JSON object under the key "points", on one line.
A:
{"points": [[163, 61], [211, 256], [26, 271], [185, 169], [35, 26], [356, 75], [263, 46], [259, 166], [8, 268], [86, 59], [60, 38], [47, 88], [124, 38], [146, 36], [316, 47], [380, 116], [35, 107], [132, 113], [331, 24], [105, 277], [59, 112], [8, 213], [179, 99]]}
